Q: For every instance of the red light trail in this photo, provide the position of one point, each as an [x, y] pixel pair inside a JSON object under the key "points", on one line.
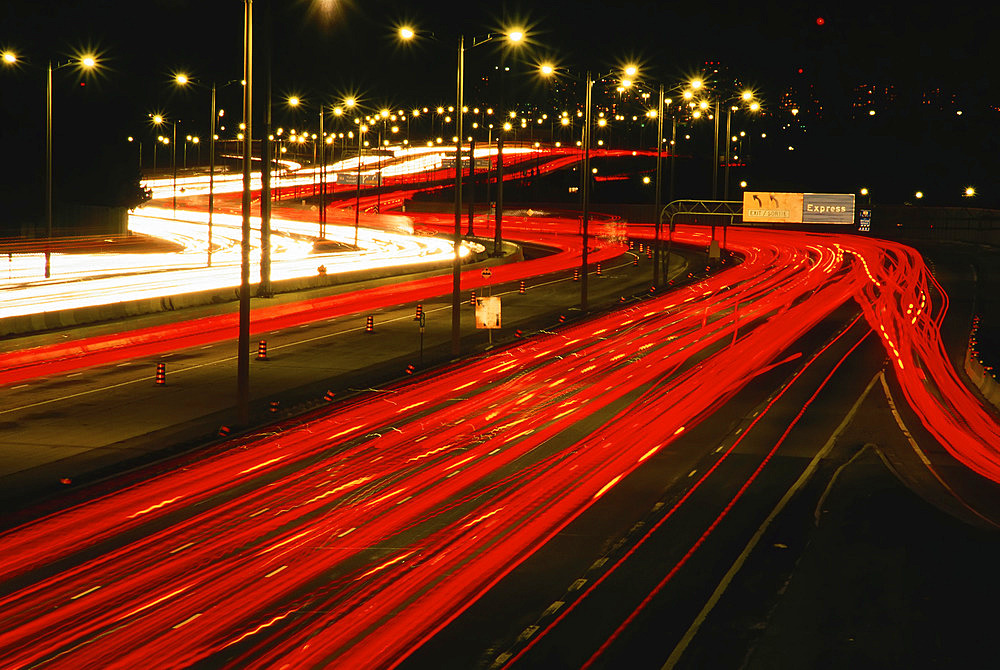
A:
{"points": [[353, 537]]}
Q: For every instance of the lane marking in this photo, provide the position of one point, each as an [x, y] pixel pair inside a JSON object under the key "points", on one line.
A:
{"points": [[228, 359], [741, 559], [80, 595], [923, 457]]}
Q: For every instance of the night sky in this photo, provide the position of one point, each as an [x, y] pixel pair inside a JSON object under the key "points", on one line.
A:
{"points": [[325, 50]]}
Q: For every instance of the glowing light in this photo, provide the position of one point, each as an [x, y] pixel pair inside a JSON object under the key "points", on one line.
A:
{"points": [[406, 33], [9, 57]]}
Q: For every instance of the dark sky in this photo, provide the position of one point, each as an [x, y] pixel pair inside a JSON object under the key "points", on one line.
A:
{"points": [[324, 50], [326, 47]]}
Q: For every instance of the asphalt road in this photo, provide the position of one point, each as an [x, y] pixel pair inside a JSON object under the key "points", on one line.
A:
{"points": [[771, 535], [95, 422]]}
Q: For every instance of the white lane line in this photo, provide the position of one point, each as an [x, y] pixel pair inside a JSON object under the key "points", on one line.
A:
{"points": [[80, 595], [923, 457], [806, 475], [233, 358], [188, 620]]}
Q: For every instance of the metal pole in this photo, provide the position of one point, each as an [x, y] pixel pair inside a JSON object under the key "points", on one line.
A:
{"points": [[48, 173], [322, 177], [456, 288], [715, 155], [586, 194], [472, 184], [243, 344], [659, 188], [211, 176], [173, 164], [378, 173], [498, 215], [264, 288], [673, 155], [357, 190], [725, 181]]}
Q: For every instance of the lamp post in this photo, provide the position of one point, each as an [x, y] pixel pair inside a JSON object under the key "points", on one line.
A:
{"points": [[84, 62], [753, 106], [513, 37], [362, 129], [295, 101], [663, 104], [159, 121], [549, 70], [243, 340]]}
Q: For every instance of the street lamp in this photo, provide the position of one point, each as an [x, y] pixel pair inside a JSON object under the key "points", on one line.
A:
{"points": [[84, 62], [182, 79], [295, 101], [159, 121], [754, 106], [586, 174], [362, 129], [514, 36]]}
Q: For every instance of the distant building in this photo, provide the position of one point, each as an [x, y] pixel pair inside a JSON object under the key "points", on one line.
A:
{"points": [[938, 100], [868, 98]]}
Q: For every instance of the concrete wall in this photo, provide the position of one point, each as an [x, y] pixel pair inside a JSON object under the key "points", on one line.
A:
{"points": [[68, 318], [982, 378]]}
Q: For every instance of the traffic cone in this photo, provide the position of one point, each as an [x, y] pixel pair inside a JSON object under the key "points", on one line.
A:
{"points": [[223, 431], [598, 269], [562, 318], [410, 368], [370, 324], [274, 406], [161, 374], [576, 275], [329, 396], [472, 300], [635, 261], [518, 333], [520, 288], [262, 350], [420, 311]]}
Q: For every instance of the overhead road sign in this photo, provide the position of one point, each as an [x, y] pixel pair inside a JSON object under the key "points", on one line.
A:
{"points": [[772, 207]]}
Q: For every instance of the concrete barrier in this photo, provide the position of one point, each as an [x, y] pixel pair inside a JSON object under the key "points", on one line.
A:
{"points": [[37, 323], [982, 378]]}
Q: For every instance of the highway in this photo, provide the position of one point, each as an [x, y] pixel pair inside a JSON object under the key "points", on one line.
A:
{"points": [[576, 498]]}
